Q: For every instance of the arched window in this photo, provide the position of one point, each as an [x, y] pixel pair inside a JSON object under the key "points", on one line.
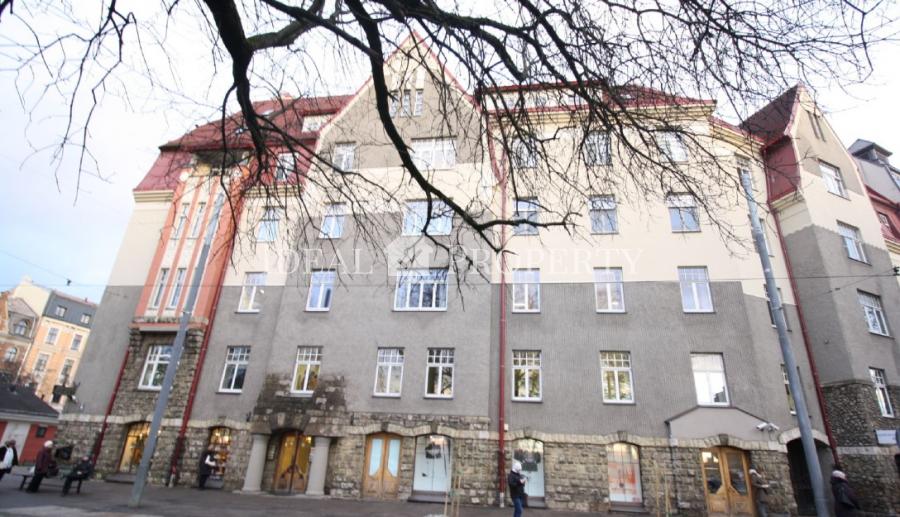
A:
{"points": [[624, 464], [11, 354]]}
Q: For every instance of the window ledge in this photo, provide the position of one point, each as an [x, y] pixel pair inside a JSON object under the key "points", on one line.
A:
{"points": [[444, 309], [229, 392], [146, 388], [308, 309], [438, 397], [605, 233], [858, 261], [599, 311], [700, 312], [526, 311], [299, 394], [842, 196], [246, 312], [880, 334], [386, 395], [620, 402], [727, 405], [529, 401], [687, 231], [328, 238]]}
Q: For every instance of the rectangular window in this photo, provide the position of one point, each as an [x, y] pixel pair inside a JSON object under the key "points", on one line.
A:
{"points": [[333, 221], [852, 241], [389, 372], [671, 145], [596, 148], [182, 220], [236, 361], [881, 392], [524, 154], [695, 293], [415, 217], [251, 292], [787, 322], [284, 166], [766, 248], [268, 225], [816, 123], [60, 311], [40, 365], [609, 289], [604, 218], [787, 390], [76, 342], [85, 319], [527, 210], [709, 379], [434, 153], [834, 182], [52, 334], [160, 287], [526, 374], [313, 123], [177, 287], [871, 305], [400, 103], [306, 369], [683, 213], [439, 374], [321, 288], [419, 103], [198, 221], [526, 290], [615, 370], [345, 156], [158, 358], [421, 290], [65, 372]]}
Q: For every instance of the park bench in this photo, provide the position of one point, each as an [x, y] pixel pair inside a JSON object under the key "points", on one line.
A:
{"points": [[27, 472]]}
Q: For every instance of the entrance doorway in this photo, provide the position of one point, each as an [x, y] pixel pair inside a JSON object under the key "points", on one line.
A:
{"points": [[292, 468], [381, 478], [432, 471], [725, 479]]}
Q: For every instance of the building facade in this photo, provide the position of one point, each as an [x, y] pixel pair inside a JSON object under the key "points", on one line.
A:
{"points": [[634, 367], [17, 326]]}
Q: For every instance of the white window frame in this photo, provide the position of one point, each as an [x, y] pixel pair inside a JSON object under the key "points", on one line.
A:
{"points": [[344, 156], [882, 393], [706, 375], [182, 220], [177, 287], [834, 181], [696, 285], [419, 102], [671, 146], [76, 342], [408, 278], [874, 313], [527, 361], [52, 336], [787, 390], [197, 223], [237, 357], [853, 243], [60, 311], [607, 279], [11, 354], [595, 149], [40, 364], [787, 321], [256, 288], [387, 361], [321, 284], [679, 205], [333, 221], [524, 154], [434, 153], [816, 123], [529, 210], [62, 372], [311, 357], [603, 208], [158, 358], [285, 165], [526, 282], [161, 280], [414, 216], [442, 360], [267, 231], [85, 319], [618, 363], [20, 328]]}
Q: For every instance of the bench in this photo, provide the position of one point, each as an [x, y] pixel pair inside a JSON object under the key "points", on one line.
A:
{"points": [[57, 481]]}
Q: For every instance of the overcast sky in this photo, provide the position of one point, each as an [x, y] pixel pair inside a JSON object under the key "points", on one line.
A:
{"points": [[47, 234]]}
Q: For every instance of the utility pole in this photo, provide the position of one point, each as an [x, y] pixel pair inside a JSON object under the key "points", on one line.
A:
{"points": [[787, 353], [140, 479]]}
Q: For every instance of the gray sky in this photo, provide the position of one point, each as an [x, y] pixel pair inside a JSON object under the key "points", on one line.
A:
{"points": [[46, 234]]}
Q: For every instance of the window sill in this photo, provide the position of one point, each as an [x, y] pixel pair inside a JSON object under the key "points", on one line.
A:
{"points": [[700, 312], [300, 394], [308, 309], [328, 238], [880, 334], [526, 311], [599, 311], [687, 231], [620, 402], [528, 401], [860, 261], [725, 405], [842, 196], [443, 309], [605, 233], [246, 312], [229, 392], [438, 397], [146, 388], [386, 395]]}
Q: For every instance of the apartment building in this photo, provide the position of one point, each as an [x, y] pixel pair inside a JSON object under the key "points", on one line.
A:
{"points": [[336, 351], [17, 323]]}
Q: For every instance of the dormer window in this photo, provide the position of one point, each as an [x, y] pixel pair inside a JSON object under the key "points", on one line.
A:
{"points": [[21, 328]]}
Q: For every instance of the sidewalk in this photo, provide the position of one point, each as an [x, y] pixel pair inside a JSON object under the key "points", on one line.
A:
{"points": [[101, 499]]}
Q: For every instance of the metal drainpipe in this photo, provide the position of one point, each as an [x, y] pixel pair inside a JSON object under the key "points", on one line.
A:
{"points": [[803, 328]]}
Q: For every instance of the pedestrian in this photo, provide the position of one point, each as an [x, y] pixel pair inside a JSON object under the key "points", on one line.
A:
{"points": [[845, 503], [82, 470], [43, 466], [760, 493], [9, 457], [516, 482], [207, 464]]}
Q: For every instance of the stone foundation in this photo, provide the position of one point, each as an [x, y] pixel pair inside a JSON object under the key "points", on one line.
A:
{"points": [[875, 479]]}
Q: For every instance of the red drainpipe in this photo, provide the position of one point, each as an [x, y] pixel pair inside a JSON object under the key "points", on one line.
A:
{"points": [[112, 399], [803, 328]]}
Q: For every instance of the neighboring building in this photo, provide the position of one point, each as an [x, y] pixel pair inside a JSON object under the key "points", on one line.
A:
{"points": [[26, 419], [650, 379], [842, 267], [17, 327]]}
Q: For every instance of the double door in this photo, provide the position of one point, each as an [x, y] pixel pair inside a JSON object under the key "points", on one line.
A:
{"points": [[292, 469], [727, 482], [381, 476]]}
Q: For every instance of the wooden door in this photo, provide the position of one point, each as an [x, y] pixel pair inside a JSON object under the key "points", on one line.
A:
{"points": [[739, 499], [381, 477], [292, 468], [726, 481]]}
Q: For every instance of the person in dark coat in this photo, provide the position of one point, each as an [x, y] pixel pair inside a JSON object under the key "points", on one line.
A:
{"points": [[516, 482], [760, 493], [845, 503], [207, 464], [82, 470], [9, 457], [42, 466]]}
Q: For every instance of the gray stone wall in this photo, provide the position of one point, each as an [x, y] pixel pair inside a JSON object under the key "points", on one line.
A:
{"points": [[875, 480]]}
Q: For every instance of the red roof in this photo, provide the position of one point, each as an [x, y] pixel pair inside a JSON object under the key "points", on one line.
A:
{"points": [[771, 122]]}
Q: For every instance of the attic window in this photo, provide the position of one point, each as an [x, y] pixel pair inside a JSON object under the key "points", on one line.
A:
{"points": [[313, 123], [240, 130]]}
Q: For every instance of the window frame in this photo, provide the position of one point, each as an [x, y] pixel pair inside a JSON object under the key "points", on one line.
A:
{"points": [[532, 215], [434, 147], [70, 363], [178, 231], [832, 173], [177, 288], [528, 368], [524, 153], [60, 311], [323, 288], [882, 392], [877, 309], [344, 156], [621, 288], [787, 388], [313, 358], [156, 356], [161, 279], [269, 223], [197, 223], [10, 355], [256, 287], [237, 356], [852, 240], [421, 281], [414, 217], [332, 226], [671, 145], [676, 203], [595, 150], [695, 292], [52, 336], [387, 357], [599, 210], [75, 345], [86, 319], [723, 372], [20, 328], [617, 370], [520, 285], [436, 358]]}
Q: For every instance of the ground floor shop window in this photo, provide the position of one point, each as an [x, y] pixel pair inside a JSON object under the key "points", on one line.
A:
{"points": [[433, 469], [220, 445], [134, 446], [530, 453], [624, 464]]}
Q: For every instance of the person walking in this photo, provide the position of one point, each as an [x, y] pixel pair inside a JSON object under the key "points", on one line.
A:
{"points": [[516, 482], [760, 493], [9, 457], [42, 466], [207, 464], [82, 470], [845, 503]]}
